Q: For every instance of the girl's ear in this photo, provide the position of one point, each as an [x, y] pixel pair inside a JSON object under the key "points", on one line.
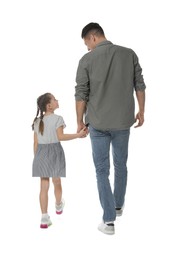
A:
{"points": [[48, 106]]}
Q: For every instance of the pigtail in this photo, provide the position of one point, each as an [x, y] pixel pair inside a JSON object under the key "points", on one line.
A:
{"points": [[35, 118], [42, 101], [41, 124]]}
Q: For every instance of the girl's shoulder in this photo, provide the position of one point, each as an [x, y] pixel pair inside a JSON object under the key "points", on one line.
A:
{"points": [[57, 116], [52, 117], [60, 121]]}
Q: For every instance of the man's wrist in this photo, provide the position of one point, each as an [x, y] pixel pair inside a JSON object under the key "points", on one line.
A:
{"points": [[141, 112], [80, 122]]}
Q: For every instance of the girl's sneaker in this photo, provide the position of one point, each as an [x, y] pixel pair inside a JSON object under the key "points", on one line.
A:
{"points": [[45, 221], [59, 208]]}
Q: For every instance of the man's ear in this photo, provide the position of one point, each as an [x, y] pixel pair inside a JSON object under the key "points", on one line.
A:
{"points": [[94, 38], [91, 37]]}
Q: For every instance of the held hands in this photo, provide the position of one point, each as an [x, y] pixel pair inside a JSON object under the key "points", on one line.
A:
{"points": [[82, 130], [140, 119]]}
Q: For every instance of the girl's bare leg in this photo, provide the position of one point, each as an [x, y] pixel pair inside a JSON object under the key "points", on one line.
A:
{"points": [[44, 195], [57, 189]]}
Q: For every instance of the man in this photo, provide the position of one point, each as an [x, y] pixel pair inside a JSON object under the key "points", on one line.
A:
{"points": [[107, 78]]}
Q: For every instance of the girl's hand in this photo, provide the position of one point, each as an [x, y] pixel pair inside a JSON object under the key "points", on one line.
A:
{"points": [[83, 133], [80, 127]]}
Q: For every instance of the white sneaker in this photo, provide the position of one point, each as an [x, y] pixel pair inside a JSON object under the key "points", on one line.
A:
{"points": [[45, 222], [119, 212], [59, 208], [107, 228]]}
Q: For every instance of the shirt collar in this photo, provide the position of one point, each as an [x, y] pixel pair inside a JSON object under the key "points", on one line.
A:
{"points": [[104, 43]]}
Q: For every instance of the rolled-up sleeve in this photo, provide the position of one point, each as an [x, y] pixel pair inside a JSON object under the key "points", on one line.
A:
{"points": [[82, 88], [138, 77]]}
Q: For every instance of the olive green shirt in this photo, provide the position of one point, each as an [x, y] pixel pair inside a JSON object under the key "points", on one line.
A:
{"points": [[106, 79]]}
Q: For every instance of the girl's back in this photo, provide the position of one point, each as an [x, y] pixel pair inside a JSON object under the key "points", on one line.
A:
{"points": [[51, 123]]}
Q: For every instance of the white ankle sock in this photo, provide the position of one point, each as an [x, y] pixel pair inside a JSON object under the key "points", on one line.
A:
{"points": [[45, 215]]}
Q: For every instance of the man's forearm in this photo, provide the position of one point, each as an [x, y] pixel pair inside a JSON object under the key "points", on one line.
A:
{"points": [[80, 110], [140, 95]]}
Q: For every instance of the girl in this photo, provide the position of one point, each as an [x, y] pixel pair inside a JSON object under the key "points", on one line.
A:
{"points": [[49, 158]]}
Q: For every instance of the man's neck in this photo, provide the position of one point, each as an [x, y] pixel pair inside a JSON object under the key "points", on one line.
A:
{"points": [[99, 40]]}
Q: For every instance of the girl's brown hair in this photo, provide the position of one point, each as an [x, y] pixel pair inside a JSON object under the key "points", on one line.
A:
{"points": [[42, 102]]}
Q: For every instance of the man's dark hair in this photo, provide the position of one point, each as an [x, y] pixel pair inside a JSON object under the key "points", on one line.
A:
{"points": [[92, 27]]}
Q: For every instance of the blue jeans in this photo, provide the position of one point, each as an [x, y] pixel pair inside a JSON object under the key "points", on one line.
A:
{"points": [[101, 141]]}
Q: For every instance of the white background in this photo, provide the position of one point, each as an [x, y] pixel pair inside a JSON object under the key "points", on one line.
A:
{"points": [[40, 47]]}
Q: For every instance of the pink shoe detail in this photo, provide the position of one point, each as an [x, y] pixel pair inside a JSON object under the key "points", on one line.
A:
{"points": [[43, 226], [59, 212]]}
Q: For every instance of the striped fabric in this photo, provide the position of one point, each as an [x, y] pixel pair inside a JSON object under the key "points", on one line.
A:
{"points": [[49, 161]]}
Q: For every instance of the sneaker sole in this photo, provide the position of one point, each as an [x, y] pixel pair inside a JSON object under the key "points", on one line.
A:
{"points": [[45, 225], [107, 233], [59, 212]]}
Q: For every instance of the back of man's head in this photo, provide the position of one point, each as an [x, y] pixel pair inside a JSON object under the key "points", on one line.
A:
{"points": [[94, 28]]}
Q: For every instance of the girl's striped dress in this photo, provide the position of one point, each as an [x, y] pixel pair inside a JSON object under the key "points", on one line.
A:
{"points": [[49, 160]]}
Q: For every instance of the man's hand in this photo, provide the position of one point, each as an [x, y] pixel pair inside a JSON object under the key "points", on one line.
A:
{"points": [[140, 119], [82, 126]]}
